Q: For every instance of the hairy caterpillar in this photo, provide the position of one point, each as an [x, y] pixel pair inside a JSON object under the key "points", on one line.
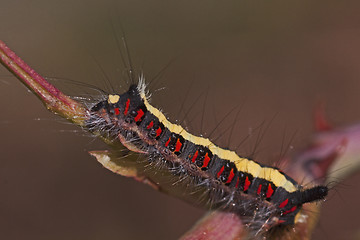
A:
{"points": [[263, 196], [291, 71]]}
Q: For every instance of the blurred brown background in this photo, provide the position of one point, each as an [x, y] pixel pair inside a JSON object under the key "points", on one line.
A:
{"points": [[275, 57]]}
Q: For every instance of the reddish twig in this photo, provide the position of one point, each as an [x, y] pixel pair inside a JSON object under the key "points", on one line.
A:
{"points": [[53, 98]]}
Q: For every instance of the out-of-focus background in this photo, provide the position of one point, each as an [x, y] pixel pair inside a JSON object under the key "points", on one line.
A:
{"points": [[277, 58]]}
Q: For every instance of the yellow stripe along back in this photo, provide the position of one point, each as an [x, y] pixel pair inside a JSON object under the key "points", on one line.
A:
{"points": [[242, 164]]}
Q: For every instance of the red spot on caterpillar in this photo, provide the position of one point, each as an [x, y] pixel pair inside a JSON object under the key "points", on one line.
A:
{"points": [[237, 182], [220, 172], [195, 156], [158, 132], [117, 111], [206, 160], [140, 114], [290, 211], [127, 106], [247, 184], [283, 204], [231, 176], [281, 221], [259, 189], [168, 141], [269, 191], [151, 124], [178, 145]]}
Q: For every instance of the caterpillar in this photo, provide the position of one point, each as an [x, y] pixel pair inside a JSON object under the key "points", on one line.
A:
{"points": [[226, 29], [264, 196]]}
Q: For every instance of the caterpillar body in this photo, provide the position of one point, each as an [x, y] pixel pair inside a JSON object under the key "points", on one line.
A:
{"points": [[264, 196]]}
